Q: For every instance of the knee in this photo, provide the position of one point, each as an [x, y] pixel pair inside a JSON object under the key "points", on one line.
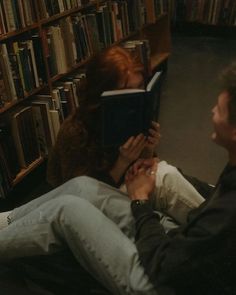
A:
{"points": [[167, 173], [69, 207], [81, 182]]}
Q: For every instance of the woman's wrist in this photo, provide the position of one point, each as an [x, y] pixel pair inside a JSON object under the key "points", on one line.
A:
{"points": [[118, 170], [139, 196]]}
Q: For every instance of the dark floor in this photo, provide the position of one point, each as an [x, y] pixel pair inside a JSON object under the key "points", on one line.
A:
{"points": [[189, 93]]}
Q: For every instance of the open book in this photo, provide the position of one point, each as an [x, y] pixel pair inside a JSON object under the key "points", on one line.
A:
{"points": [[128, 112]]}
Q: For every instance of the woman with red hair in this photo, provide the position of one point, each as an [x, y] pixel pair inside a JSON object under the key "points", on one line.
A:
{"points": [[78, 150]]}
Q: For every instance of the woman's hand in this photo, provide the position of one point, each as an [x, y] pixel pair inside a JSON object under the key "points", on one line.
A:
{"points": [[140, 179], [129, 152], [154, 135], [152, 140], [132, 148]]}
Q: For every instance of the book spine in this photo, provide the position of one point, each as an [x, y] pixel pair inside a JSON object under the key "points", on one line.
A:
{"points": [[3, 22], [6, 67], [33, 62], [11, 26], [38, 52]]}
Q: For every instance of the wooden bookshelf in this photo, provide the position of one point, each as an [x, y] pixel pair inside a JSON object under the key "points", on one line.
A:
{"points": [[211, 17], [25, 171], [38, 24]]}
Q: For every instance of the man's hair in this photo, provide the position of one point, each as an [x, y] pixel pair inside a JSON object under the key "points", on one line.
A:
{"points": [[228, 79]]}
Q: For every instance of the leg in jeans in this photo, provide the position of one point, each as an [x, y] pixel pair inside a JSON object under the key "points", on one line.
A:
{"points": [[96, 242], [174, 195], [110, 201], [114, 204]]}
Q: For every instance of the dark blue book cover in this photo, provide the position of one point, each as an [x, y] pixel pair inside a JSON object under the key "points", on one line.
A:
{"points": [[128, 112]]}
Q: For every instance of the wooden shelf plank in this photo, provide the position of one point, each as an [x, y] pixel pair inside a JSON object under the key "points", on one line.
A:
{"points": [[26, 171]]}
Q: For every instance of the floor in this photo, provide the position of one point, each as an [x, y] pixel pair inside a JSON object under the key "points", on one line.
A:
{"points": [[189, 93]]}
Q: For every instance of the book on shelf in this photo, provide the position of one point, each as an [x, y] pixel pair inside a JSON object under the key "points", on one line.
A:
{"points": [[5, 182], [47, 121], [8, 150], [57, 101], [58, 49], [93, 32], [3, 22], [30, 13], [33, 65], [50, 115], [82, 42], [56, 124], [67, 94], [150, 11], [41, 134], [38, 51], [7, 73], [101, 28], [24, 135], [128, 112], [26, 67], [140, 49], [16, 13], [15, 70], [4, 95], [9, 15], [69, 41], [49, 52]]}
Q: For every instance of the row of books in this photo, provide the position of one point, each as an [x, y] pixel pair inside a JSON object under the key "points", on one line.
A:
{"points": [[18, 14], [28, 132], [21, 68], [69, 42], [75, 38], [48, 8], [155, 8], [213, 12], [26, 135]]}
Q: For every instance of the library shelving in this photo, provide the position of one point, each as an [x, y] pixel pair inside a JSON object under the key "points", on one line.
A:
{"points": [[205, 17], [44, 46]]}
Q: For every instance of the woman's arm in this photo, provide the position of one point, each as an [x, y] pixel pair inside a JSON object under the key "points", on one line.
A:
{"points": [[128, 153], [153, 140]]}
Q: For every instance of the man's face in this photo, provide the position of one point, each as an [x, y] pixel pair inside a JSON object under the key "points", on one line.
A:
{"points": [[223, 131]]}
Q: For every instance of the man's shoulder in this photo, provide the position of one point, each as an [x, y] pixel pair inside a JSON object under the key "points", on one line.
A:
{"points": [[228, 179]]}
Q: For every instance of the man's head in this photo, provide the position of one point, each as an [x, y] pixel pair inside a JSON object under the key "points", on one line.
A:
{"points": [[224, 112]]}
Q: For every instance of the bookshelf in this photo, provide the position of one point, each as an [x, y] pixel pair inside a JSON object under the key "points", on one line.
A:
{"points": [[38, 75], [206, 17]]}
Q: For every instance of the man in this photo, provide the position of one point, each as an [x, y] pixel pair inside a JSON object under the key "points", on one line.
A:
{"points": [[198, 257]]}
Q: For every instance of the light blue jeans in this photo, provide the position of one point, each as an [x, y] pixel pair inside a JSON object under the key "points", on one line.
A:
{"points": [[96, 222]]}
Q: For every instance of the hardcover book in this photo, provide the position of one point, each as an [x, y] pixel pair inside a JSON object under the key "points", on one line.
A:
{"points": [[128, 112]]}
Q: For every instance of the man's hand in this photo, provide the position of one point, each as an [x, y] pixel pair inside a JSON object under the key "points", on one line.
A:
{"points": [[140, 179]]}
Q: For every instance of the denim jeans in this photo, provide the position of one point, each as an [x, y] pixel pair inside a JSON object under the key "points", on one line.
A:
{"points": [[96, 222]]}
